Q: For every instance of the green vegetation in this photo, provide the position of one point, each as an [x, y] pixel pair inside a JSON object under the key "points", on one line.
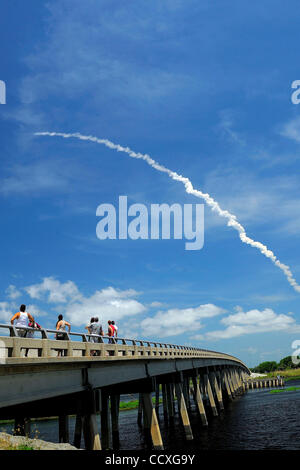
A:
{"points": [[282, 390], [285, 364], [131, 405], [22, 447]]}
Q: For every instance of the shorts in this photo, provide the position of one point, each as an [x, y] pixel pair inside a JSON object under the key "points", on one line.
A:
{"points": [[22, 333], [61, 337]]}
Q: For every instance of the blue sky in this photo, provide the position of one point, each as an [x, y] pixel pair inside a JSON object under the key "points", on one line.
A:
{"points": [[205, 89]]}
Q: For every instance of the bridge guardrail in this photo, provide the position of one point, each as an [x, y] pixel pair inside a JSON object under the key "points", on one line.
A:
{"points": [[106, 347]]}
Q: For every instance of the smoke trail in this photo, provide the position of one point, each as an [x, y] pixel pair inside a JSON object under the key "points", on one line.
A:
{"points": [[232, 220]]}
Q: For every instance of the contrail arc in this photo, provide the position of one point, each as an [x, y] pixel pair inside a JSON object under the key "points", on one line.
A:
{"points": [[215, 207]]}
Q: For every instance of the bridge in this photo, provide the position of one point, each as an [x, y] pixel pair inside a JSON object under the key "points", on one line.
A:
{"points": [[43, 384]]}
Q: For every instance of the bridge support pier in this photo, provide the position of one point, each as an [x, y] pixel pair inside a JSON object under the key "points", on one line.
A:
{"points": [[78, 431], [230, 383], [87, 414], [140, 410], [210, 395], [217, 389], [105, 421], [63, 428], [157, 399], [165, 402], [170, 400], [151, 422], [199, 401], [114, 410], [183, 411], [91, 432], [226, 385]]}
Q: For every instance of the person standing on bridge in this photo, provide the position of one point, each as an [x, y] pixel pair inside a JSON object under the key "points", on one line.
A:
{"points": [[61, 326], [111, 331], [22, 318], [115, 327], [30, 333], [94, 328]]}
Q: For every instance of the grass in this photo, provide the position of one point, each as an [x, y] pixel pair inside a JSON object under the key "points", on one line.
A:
{"points": [[23, 447], [282, 390], [132, 405], [288, 374]]}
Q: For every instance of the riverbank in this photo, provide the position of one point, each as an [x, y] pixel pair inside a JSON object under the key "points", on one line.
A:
{"points": [[9, 442], [288, 374]]}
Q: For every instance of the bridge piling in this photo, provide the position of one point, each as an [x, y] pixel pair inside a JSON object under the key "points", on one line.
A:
{"points": [[226, 385], [151, 422], [140, 410], [165, 402], [89, 407], [105, 421], [199, 401], [217, 389], [78, 431], [63, 428], [183, 411], [170, 400], [157, 398], [210, 395], [229, 383], [114, 410]]}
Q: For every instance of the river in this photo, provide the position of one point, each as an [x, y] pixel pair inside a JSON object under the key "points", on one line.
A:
{"points": [[255, 421]]}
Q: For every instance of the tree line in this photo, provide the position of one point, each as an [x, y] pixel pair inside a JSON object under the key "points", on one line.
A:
{"points": [[271, 366]]}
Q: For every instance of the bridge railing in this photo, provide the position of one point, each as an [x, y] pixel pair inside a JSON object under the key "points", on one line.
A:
{"points": [[80, 346]]}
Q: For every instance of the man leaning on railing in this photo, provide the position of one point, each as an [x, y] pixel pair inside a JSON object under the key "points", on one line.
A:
{"points": [[22, 319]]}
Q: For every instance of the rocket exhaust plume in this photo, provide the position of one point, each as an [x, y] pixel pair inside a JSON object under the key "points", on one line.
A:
{"points": [[231, 219]]}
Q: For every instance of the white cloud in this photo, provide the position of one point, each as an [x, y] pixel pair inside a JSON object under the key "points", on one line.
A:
{"points": [[226, 126], [5, 312], [291, 129], [57, 292], [178, 321], [12, 292], [108, 303], [252, 322]]}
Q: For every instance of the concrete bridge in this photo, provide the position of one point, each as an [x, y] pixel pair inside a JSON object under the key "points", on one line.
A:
{"points": [[77, 383]]}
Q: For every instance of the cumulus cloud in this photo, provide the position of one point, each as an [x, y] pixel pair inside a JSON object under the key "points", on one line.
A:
{"points": [[177, 321], [56, 291], [108, 303], [12, 292], [252, 322]]}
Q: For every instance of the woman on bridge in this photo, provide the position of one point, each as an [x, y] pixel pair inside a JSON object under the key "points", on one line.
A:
{"points": [[61, 326]]}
